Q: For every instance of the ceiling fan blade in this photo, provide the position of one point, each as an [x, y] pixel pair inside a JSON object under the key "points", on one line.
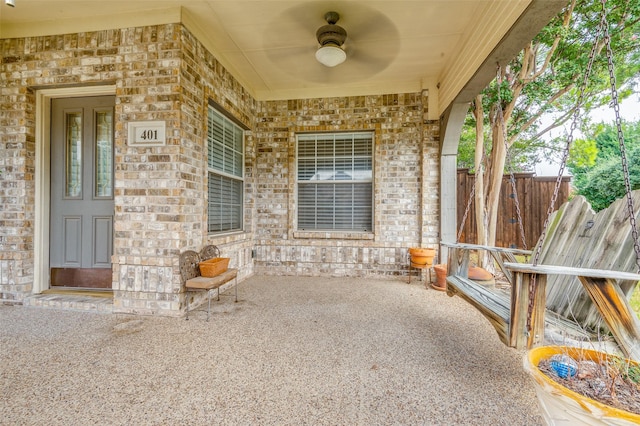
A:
{"points": [[372, 42], [370, 25]]}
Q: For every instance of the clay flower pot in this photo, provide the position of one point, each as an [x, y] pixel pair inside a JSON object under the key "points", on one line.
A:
{"points": [[422, 256], [441, 277], [475, 273]]}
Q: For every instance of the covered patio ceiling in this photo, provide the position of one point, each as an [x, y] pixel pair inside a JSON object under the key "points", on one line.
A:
{"points": [[449, 47]]}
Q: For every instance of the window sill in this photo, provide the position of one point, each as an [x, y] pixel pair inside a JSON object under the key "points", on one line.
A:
{"points": [[320, 235], [228, 237]]}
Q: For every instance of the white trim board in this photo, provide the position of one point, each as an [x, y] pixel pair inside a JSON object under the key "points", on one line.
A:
{"points": [[41, 278]]}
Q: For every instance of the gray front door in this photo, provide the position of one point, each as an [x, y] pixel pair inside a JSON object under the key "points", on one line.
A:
{"points": [[81, 240]]}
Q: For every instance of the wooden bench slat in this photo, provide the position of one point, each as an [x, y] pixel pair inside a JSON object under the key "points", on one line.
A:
{"points": [[209, 283], [568, 270], [616, 312], [482, 296], [468, 246], [494, 306]]}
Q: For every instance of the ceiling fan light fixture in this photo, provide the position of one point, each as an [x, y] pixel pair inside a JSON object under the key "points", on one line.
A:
{"points": [[330, 55], [331, 37]]}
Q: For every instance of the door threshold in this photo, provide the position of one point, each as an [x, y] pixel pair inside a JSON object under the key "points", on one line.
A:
{"points": [[76, 291], [72, 299]]}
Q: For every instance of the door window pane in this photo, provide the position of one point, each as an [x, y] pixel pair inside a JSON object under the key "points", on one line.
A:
{"points": [[73, 155], [104, 155]]}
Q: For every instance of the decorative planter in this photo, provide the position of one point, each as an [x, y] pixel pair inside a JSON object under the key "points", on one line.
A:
{"points": [[562, 406], [441, 277], [212, 267], [422, 257]]}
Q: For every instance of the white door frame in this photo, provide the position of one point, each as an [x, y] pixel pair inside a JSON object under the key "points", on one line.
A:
{"points": [[41, 277]]}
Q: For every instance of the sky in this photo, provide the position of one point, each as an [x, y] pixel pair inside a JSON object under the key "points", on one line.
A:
{"points": [[629, 111]]}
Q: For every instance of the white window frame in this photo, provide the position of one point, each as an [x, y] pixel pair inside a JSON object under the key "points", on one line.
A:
{"points": [[342, 172], [227, 170]]}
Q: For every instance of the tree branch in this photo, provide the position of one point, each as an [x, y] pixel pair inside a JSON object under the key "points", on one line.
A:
{"points": [[542, 110], [566, 21]]}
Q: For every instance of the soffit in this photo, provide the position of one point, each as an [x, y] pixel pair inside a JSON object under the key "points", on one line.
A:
{"points": [[392, 46]]}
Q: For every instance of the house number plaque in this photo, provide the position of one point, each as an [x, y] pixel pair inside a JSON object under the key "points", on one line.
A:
{"points": [[147, 133]]}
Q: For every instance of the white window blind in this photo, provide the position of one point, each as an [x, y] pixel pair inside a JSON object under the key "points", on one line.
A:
{"points": [[335, 181], [225, 148]]}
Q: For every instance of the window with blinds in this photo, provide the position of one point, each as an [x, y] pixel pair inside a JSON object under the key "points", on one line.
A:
{"points": [[335, 187], [225, 163]]}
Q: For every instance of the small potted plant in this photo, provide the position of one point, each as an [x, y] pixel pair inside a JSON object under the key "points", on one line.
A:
{"points": [[584, 386]]}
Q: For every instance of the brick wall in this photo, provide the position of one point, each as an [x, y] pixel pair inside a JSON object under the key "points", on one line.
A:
{"points": [[176, 207], [160, 73], [17, 184], [203, 78], [406, 177], [164, 73], [152, 191]]}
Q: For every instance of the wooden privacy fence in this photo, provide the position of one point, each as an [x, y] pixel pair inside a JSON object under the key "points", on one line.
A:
{"points": [[534, 194]]}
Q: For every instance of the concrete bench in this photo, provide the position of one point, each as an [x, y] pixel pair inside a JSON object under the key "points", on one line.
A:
{"points": [[194, 282]]}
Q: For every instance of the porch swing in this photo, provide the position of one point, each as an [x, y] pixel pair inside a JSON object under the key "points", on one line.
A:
{"points": [[578, 249]]}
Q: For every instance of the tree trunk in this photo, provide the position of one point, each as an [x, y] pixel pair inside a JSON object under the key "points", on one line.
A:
{"points": [[481, 223], [484, 258], [498, 157]]}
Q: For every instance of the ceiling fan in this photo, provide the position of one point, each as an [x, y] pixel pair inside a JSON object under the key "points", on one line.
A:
{"points": [[371, 45], [331, 38]]}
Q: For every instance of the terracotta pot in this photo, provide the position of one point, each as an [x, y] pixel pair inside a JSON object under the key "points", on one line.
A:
{"points": [[441, 277], [479, 274], [422, 256], [562, 406]]}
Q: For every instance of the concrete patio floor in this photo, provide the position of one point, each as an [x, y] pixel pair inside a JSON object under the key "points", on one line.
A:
{"points": [[292, 351]]}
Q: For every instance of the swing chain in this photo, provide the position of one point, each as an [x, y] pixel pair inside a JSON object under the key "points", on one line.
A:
{"points": [[623, 156], [512, 178], [563, 163], [470, 198], [518, 212], [466, 211], [567, 147]]}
